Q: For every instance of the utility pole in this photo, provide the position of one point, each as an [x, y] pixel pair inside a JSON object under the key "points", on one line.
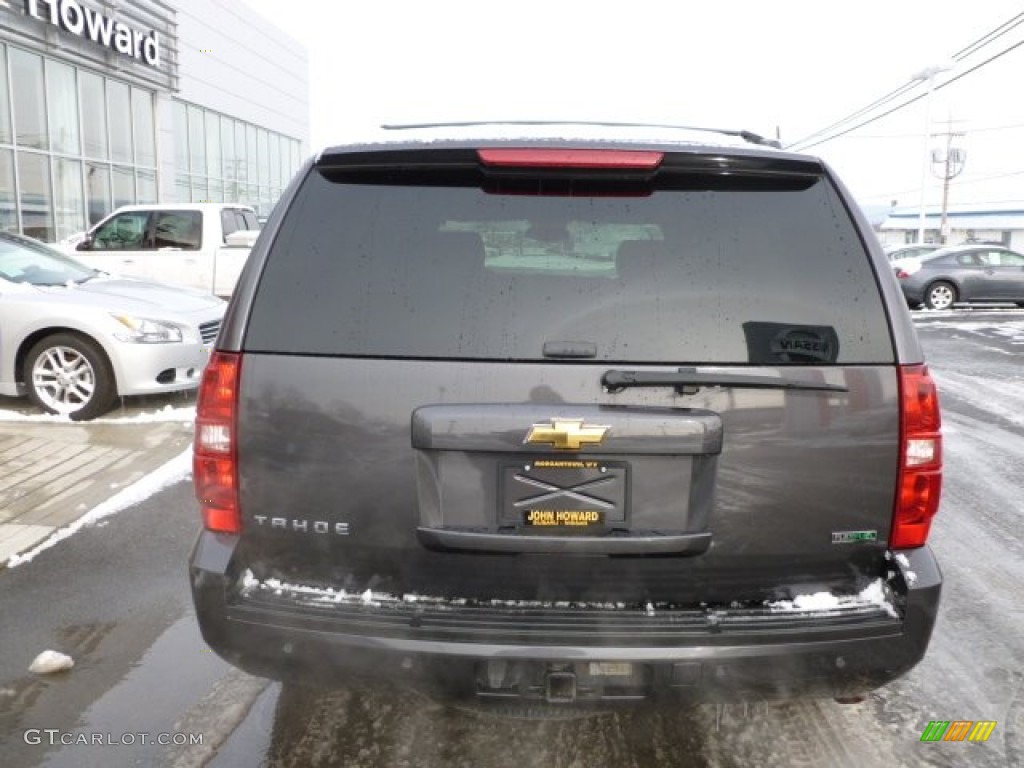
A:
{"points": [[951, 161]]}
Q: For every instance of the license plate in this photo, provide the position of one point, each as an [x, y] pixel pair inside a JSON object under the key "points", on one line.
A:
{"points": [[564, 494], [611, 669]]}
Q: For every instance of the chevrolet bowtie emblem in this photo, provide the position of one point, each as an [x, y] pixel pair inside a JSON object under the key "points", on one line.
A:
{"points": [[568, 434]]}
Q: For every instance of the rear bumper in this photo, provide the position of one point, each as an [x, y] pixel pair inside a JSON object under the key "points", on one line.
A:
{"points": [[912, 292], [808, 658]]}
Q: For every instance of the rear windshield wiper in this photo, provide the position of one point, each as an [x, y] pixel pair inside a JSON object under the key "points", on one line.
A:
{"points": [[689, 380]]}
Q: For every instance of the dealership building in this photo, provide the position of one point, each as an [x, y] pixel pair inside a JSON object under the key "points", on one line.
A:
{"points": [[105, 103]]}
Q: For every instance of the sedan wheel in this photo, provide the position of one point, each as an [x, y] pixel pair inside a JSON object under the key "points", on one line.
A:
{"points": [[940, 296], [71, 376]]}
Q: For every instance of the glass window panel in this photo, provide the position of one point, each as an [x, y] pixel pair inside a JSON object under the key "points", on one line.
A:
{"points": [[6, 137], [182, 189], [196, 140], [240, 152], [227, 146], [124, 232], [213, 153], [145, 185], [62, 108], [180, 138], [119, 117], [250, 140], [68, 200], [124, 187], [97, 187], [275, 160], [216, 191], [29, 108], [178, 229], [142, 119], [36, 198], [8, 207], [199, 190], [94, 121], [263, 158]]}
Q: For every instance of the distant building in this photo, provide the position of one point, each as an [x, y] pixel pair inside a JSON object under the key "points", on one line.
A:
{"points": [[103, 104], [967, 223]]}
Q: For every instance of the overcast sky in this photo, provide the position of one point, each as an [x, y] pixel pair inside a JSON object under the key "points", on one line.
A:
{"points": [[795, 66]]}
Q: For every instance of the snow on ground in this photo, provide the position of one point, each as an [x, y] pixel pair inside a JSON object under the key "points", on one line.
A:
{"points": [[1002, 398], [184, 414], [1009, 326], [48, 662], [178, 468]]}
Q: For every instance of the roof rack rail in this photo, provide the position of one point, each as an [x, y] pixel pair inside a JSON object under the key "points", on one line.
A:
{"points": [[748, 136]]}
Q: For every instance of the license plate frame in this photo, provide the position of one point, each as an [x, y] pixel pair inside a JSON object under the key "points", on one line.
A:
{"points": [[559, 496]]}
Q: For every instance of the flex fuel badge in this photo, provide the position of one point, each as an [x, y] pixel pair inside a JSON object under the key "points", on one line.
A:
{"points": [[849, 537]]}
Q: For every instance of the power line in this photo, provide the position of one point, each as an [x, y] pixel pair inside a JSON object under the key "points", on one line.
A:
{"points": [[873, 105], [995, 34], [976, 67], [980, 129], [963, 182], [979, 179], [911, 101], [963, 53]]}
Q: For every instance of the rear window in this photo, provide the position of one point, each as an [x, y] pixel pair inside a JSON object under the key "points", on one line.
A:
{"points": [[731, 273], [235, 219]]}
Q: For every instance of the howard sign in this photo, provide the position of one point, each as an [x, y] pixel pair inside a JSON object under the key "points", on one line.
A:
{"points": [[73, 17]]}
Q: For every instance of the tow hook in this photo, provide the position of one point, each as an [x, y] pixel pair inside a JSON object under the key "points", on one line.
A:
{"points": [[560, 686]]}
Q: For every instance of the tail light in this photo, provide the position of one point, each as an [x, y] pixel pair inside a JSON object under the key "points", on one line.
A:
{"points": [[215, 454], [624, 159], [920, 477], [902, 274]]}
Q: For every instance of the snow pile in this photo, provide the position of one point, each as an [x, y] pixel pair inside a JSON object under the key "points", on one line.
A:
{"points": [[826, 602], [178, 468], [250, 583], [184, 414], [7, 415], [910, 576], [48, 662], [873, 594]]}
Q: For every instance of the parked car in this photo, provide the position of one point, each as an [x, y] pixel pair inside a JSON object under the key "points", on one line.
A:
{"points": [[965, 274], [896, 252], [569, 421], [194, 245], [75, 339]]}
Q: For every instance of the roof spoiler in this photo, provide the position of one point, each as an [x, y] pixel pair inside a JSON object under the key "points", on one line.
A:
{"points": [[748, 136]]}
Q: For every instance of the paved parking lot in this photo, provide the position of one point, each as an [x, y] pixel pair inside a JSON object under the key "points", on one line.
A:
{"points": [[53, 471]]}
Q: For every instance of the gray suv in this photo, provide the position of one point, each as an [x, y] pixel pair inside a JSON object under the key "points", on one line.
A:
{"points": [[573, 421]]}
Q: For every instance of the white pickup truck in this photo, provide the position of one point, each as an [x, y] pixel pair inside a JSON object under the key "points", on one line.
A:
{"points": [[197, 245]]}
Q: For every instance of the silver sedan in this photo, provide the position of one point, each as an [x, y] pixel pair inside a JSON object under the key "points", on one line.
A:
{"points": [[74, 339]]}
